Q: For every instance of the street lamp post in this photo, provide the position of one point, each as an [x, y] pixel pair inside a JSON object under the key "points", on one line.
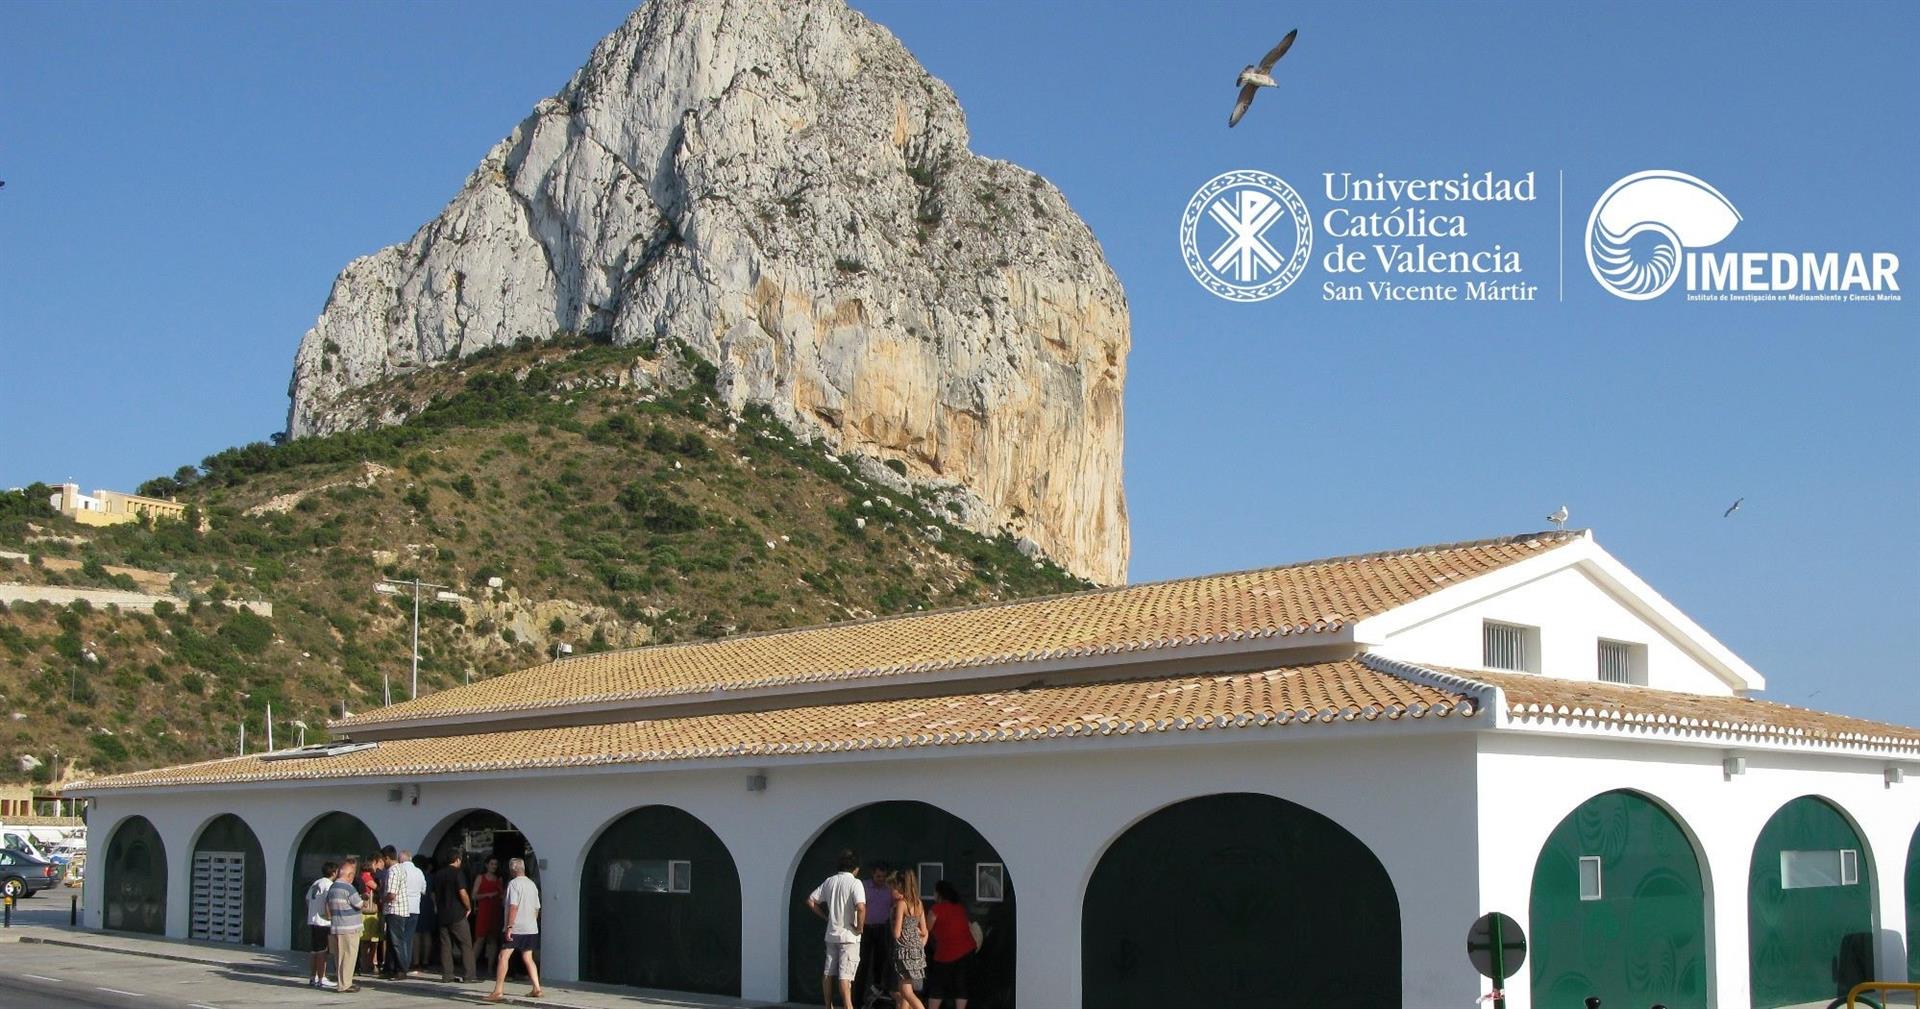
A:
{"points": [[393, 589]]}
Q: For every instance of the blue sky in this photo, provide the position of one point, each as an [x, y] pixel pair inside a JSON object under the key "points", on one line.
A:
{"points": [[183, 182]]}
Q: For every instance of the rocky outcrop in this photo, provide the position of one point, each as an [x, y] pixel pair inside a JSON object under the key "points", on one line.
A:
{"points": [[780, 186]]}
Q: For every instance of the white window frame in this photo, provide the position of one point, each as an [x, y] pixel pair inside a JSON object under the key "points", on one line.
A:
{"points": [[1634, 656], [679, 875], [1528, 646], [930, 873], [1599, 878], [1849, 867]]}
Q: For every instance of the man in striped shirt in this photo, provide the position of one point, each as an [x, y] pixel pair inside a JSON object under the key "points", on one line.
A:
{"points": [[343, 909]]}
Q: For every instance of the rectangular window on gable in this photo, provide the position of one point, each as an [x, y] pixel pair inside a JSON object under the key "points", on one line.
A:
{"points": [[1510, 646], [1622, 662]]}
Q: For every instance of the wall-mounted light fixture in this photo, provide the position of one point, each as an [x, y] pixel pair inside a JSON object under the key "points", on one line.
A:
{"points": [[393, 793], [1894, 775], [1733, 765], [757, 781]]}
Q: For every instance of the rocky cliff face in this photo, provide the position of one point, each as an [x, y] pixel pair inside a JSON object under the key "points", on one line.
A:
{"points": [[779, 185]]}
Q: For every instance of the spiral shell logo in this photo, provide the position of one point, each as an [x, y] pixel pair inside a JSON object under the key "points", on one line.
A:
{"points": [[1243, 209], [1643, 225]]}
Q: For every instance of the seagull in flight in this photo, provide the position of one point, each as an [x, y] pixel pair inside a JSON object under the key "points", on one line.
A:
{"points": [[1734, 507], [1252, 79], [1559, 518]]}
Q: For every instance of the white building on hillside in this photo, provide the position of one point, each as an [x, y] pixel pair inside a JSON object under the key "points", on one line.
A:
{"points": [[1291, 786]]}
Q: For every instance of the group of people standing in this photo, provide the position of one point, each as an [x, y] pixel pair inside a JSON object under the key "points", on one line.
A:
{"points": [[884, 942], [366, 915]]}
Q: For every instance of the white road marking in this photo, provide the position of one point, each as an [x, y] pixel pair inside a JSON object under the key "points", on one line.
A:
{"points": [[42, 977], [116, 991], [200, 1005]]}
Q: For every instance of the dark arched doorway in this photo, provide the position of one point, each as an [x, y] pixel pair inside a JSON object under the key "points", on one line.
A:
{"points": [[1619, 909], [482, 834], [1913, 906], [1253, 900], [331, 838], [479, 835], [136, 878], [227, 893], [907, 834], [1809, 906], [660, 905]]}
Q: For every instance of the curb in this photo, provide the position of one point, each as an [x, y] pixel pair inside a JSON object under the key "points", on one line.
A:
{"points": [[452, 994]]}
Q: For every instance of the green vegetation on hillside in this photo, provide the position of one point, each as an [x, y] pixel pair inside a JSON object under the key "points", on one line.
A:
{"points": [[609, 517]]}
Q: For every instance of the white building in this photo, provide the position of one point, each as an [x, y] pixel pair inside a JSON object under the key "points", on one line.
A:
{"points": [[1292, 786]]}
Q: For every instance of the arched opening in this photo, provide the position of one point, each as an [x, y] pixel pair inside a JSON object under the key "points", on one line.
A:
{"points": [[228, 898], [1251, 899], [1809, 906], [1619, 909], [905, 834], [136, 878], [660, 905], [331, 838], [482, 835], [1913, 907]]}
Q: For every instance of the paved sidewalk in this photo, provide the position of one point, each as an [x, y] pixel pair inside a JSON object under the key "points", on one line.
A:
{"points": [[252, 961]]}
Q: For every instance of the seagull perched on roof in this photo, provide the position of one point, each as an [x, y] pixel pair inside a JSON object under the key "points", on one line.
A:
{"points": [[1252, 79], [1734, 507], [1559, 518]]}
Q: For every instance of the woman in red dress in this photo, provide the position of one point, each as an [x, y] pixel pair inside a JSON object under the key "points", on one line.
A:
{"points": [[488, 893]]}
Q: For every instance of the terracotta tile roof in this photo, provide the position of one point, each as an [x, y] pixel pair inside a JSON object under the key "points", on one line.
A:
{"points": [[1292, 696], [1301, 599], [1543, 700]]}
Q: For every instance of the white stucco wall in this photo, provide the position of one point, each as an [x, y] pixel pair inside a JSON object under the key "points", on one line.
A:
{"points": [[1573, 612], [1530, 782], [1049, 808]]}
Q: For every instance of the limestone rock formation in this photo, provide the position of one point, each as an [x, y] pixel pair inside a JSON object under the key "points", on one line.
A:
{"points": [[779, 185]]}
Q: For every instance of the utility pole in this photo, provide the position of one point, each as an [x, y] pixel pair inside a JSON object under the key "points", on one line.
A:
{"points": [[269, 728], [392, 589]]}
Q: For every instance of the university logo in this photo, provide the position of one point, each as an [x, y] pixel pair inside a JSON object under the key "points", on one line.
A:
{"points": [[1643, 225], [1653, 230], [1246, 235]]}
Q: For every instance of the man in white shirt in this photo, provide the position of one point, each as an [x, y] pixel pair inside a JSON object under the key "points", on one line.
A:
{"points": [[842, 901], [405, 884], [523, 930], [319, 926]]}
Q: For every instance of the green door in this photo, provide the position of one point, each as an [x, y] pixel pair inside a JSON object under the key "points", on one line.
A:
{"points": [[136, 878], [331, 838], [660, 905], [1809, 906], [1240, 900], [229, 833], [1619, 909], [908, 835], [1913, 907]]}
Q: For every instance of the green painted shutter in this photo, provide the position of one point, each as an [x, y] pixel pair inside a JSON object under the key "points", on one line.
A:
{"points": [[1808, 944], [1644, 939]]}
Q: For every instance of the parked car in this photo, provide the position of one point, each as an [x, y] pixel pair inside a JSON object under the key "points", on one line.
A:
{"points": [[23, 875]]}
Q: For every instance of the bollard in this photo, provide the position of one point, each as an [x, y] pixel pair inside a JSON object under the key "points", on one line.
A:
{"points": [[8, 921], [73, 913]]}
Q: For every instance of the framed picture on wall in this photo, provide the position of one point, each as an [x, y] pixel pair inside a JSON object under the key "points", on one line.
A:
{"points": [[990, 882], [930, 873]]}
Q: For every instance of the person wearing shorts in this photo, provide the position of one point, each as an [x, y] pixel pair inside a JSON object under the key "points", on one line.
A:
{"points": [[319, 926], [842, 901], [523, 930]]}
